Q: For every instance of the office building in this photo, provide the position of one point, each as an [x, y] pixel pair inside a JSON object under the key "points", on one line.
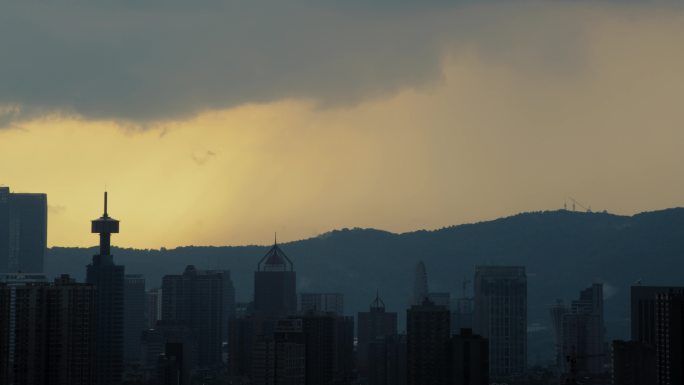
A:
{"points": [[469, 356], [174, 365], [23, 231], [51, 340], [320, 339], [387, 360], [501, 317], [580, 333], [669, 337], [108, 280], [153, 307], [134, 317], [634, 363], [280, 359], [195, 299], [373, 324], [428, 332], [275, 285], [462, 311], [229, 305], [324, 302], [643, 301]]}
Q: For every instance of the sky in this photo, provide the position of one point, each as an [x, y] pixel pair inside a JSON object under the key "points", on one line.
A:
{"points": [[221, 122]]}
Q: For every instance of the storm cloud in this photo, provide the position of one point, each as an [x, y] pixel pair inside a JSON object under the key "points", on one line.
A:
{"points": [[153, 61]]}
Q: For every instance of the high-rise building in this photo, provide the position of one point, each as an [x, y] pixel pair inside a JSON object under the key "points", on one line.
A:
{"points": [[325, 302], [634, 363], [580, 333], [320, 339], [669, 337], [108, 280], [344, 341], [195, 299], [275, 285], [174, 366], [280, 359], [52, 334], [134, 317], [387, 360], [428, 331], [469, 357], [420, 284], [643, 301], [153, 307], [501, 317], [656, 322], [228, 299], [23, 231], [373, 324]]}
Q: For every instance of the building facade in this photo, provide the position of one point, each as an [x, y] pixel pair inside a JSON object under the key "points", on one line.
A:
{"points": [[325, 302], [373, 324], [134, 317], [428, 331], [23, 231], [501, 317]]}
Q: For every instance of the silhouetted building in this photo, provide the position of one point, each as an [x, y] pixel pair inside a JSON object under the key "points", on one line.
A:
{"points": [[153, 307], [244, 333], [428, 331], [643, 300], [23, 231], [195, 299], [228, 299], [387, 360], [420, 284], [634, 363], [174, 366], [501, 317], [51, 340], [325, 302], [134, 317], [469, 357], [657, 323], [280, 359], [374, 324], [320, 339], [580, 333], [275, 285], [108, 280], [669, 337], [344, 341]]}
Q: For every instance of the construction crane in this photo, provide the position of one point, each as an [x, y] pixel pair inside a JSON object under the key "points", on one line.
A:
{"points": [[575, 202]]}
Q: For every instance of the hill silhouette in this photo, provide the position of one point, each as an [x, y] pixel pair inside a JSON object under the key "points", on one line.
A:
{"points": [[563, 251]]}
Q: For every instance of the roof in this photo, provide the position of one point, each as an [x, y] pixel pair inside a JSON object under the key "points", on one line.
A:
{"points": [[275, 260]]}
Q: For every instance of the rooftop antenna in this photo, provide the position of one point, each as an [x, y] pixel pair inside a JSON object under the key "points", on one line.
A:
{"points": [[105, 204]]}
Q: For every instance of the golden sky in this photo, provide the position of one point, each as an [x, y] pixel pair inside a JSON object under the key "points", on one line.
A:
{"points": [[592, 109]]}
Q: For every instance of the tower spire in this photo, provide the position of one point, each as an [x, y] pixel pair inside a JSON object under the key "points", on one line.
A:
{"points": [[105, 205], [105, 226]]}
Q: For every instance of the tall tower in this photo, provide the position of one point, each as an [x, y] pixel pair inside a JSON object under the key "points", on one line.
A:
{"points": [[428, 330], [23, 231], [501, 317], [420, 285], [374, 324], [108, 279], [275, 285]]}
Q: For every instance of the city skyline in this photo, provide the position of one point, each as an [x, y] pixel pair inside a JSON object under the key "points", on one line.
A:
{"points": [[469, 112]]}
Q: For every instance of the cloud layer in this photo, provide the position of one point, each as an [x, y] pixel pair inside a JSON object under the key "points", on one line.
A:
{"points": [[164, 60]]}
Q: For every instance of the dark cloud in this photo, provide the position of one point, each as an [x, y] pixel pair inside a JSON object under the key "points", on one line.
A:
{"points": [[203, 157], [157, 60]]}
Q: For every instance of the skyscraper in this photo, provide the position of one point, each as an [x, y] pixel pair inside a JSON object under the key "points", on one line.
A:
{"points": [[501, 317], [387, 360], [320, 339], [582, 332], [373, 324], [420, 285], [134, 317], [634, 363], [669, 337], [194, 299], [428, 331], [52, 332], [275, 285], [153, 307], [469, 356], [23, 231], [325, 302], [108, 280]]}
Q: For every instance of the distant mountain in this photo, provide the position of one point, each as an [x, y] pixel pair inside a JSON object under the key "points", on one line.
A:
{"points": [[564, 252]]}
